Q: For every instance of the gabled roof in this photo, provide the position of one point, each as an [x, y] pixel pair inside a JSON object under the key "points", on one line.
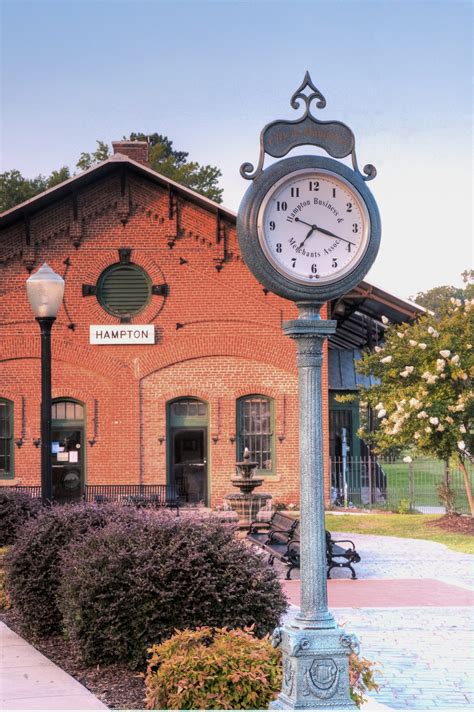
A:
{"points": [[116, 162]]}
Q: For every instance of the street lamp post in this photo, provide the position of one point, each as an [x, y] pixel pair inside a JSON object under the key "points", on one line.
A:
{"points": [[45, 291]]}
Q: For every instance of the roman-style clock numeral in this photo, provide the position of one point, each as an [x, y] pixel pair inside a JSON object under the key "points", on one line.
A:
{"points": [[295, 192], [272, 224], [282, 206], [314, 184]]}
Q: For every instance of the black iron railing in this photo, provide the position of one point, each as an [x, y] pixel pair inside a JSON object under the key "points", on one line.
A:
{"points": [[136, 495]]}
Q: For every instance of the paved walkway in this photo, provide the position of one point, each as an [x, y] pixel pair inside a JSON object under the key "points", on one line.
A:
{"points": [[29, 681], [413, 612]]}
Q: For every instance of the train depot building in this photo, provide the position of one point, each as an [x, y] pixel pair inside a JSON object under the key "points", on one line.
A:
{"points": [[168, 357]]}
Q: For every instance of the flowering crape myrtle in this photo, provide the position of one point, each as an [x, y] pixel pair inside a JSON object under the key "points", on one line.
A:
{"points": [[424, 398]]}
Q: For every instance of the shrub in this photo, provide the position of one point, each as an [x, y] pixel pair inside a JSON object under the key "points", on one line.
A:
{"points": [[124, 589], [404, 506], [4, 600], [213, 669], [361, 678], [33, 562], [16, 508]]}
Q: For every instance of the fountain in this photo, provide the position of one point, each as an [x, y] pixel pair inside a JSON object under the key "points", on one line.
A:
{"points": [[247, 504]]}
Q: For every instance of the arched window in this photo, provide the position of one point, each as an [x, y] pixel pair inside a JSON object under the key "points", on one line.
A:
{"points": [[255, 430], [6, 439]]}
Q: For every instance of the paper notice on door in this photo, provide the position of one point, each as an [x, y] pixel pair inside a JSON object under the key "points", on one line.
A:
{"points": [[63, 456], [73, 456]]}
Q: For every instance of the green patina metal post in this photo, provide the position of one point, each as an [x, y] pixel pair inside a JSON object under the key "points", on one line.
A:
{"points": [[310, 267], [315, 649]]}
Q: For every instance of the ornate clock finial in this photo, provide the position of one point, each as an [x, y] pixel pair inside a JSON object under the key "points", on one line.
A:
{"points": [[315, 94], [279, 137]]}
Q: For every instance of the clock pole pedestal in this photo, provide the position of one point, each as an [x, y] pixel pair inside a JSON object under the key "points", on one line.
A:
{"points": [[315, 649]]}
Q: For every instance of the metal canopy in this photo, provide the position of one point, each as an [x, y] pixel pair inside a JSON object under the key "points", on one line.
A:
{"points": [[359, 316]]}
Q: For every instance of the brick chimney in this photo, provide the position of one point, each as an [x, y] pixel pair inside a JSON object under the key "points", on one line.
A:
{"points": [[136, 150]]}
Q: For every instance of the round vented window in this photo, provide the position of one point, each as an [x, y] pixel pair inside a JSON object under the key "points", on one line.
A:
{"points": [[124, 289]]}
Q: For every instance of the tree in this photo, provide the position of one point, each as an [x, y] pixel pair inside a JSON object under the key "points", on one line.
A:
{"points": [[87, 160], [424, 397], [174, 164], [15, 189], [437, 299]]}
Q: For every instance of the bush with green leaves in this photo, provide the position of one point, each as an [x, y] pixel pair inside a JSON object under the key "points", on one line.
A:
{"points": [[213, 670], [125, 588], [33, 562], [16, 508]]}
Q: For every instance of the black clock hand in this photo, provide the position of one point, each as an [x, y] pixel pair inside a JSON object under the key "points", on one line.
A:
{"points": [[305, 223], [331, 234], [309, 233], [321, 229]]}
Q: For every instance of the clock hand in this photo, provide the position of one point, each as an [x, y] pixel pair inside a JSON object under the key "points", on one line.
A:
{"points": [[313, 227], [305, 223], [331, 234], [321, 229]]}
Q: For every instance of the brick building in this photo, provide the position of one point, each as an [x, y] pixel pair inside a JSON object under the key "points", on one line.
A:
{"points": [[138, 250]]}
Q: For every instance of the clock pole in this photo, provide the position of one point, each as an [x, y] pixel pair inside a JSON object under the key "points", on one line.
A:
{"points": [[315, 649]]}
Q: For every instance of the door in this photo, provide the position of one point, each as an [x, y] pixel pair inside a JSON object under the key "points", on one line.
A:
{"points": [[189, 464], [67, 463]]}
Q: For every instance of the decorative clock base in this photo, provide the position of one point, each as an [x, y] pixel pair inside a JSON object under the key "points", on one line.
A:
{"points": [[315, 668]]}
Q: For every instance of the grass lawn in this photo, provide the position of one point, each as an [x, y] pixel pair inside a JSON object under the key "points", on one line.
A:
{"points": [[410, 526]]}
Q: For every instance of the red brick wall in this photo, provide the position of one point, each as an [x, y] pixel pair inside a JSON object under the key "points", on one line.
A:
{"points": [[228, 341]]}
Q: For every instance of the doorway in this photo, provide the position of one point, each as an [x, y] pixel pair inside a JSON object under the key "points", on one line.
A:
{"points": [[67, 451], [187, 448]]}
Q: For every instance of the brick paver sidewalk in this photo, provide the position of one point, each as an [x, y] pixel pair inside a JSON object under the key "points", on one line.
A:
{"points": [[413, 612]]}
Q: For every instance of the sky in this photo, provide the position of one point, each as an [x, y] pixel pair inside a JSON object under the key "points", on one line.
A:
{"points": [[210, 74]]}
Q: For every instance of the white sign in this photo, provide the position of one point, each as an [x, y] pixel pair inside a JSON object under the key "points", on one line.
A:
{"points": [[107, 334]]}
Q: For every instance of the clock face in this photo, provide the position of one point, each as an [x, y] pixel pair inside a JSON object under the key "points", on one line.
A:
{"points": [[313, 226]]}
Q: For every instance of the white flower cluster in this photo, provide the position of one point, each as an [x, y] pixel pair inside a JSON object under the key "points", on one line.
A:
{"points": [[381, 412], [407, 371], [430, 378], [386, 359], [433, 332]]}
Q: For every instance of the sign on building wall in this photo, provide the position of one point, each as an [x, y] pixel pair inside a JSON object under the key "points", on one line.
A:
{"points": [[107, 334]]}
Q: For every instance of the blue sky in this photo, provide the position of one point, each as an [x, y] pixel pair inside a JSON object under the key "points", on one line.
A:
{"points": [[210, 74]]}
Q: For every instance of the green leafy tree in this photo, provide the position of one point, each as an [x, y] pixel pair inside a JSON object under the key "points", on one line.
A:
{"points": [[87, 160], [15, 188], [437, 299], [174, 164], [424, 398]]}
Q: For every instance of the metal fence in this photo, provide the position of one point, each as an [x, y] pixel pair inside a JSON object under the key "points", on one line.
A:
{"points": [[138, 495], [394, 484]]}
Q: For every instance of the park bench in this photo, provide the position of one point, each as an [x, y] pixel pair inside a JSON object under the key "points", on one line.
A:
{"points": [[273, 541]]}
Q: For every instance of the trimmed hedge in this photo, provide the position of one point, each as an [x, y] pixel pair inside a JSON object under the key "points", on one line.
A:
{"points": [[16, 508], [33, 562], [125, 588], [213, 670]]}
